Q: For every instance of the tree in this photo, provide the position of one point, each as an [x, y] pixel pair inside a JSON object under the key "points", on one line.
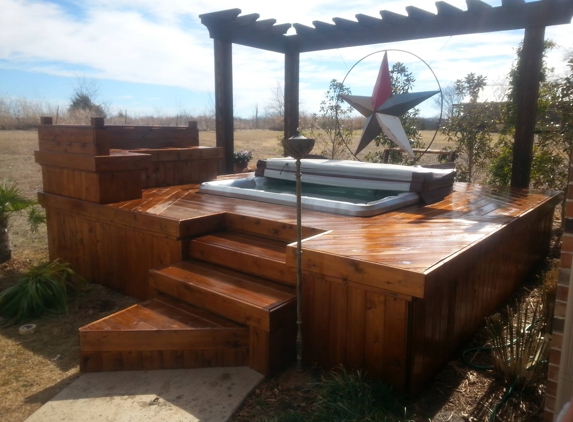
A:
{"points": [[554, 128], [12, 201], [450, 98], [83, 101], [402, 81], [276, 105], [470, 127], [334, 123]]}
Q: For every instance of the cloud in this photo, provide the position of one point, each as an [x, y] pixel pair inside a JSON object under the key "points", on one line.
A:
{"points": [[164, 43]]}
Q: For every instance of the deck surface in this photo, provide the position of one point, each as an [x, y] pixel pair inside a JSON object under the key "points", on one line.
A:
{"points": [[415, 240]]}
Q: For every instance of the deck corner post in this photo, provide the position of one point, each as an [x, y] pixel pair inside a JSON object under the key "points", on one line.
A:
{"points": [[97, 122]]}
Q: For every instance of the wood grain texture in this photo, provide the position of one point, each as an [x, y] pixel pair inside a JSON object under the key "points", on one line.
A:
{"points": [[395, 294]]}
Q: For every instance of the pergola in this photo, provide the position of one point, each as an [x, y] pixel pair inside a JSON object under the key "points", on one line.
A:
{"points": [[228, 27]]}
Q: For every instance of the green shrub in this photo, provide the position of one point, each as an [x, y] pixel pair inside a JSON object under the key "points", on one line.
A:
{"points": [[344, 396], [44, 287]]}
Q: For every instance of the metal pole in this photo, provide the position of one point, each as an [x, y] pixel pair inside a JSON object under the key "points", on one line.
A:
{"points": [[298, 268]]}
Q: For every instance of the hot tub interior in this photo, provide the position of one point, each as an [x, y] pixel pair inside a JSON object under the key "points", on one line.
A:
{"points": [[338, 186], [334, 199]]}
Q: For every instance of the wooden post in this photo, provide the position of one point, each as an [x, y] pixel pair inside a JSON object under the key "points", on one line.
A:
{"points": [[224, 102], [527, 95], [291, 94], [97, 122]]}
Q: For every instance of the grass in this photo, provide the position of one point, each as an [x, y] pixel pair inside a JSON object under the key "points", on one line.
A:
{"points": [[265, 143], [35, 368]]}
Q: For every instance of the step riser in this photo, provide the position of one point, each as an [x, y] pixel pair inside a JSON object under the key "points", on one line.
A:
{"points": [[267, 228], [212, 301], [160, 359], [117, 341], [243, 261]]}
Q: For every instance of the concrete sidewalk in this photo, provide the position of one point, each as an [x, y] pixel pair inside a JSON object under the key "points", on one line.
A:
{"points": [[205, 394]]}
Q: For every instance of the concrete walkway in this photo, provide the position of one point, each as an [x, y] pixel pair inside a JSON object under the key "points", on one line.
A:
{"points": [[205, 394]]}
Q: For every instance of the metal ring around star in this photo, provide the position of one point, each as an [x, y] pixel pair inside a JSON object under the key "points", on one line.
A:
{"points": [[435, 77]]}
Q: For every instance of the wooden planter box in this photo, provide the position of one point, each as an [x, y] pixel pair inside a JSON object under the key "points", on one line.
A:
{"points": [[106, 164]]}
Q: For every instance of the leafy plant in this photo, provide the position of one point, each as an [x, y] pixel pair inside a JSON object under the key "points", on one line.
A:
{"points": [[44, 287], [13, 201], [334, 123], [242, 157], [469, 127], [344, 396], [553, 128]]}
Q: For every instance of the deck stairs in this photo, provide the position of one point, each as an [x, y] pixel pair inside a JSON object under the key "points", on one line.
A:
{"points": [[231, 302]]}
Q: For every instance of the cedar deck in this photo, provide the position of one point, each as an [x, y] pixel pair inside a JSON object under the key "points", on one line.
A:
{"points": [[396, 293]]}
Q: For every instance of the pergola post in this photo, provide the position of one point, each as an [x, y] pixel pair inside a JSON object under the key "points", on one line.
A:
{"points": [[224, 102], [526, 108], [291, 95]]}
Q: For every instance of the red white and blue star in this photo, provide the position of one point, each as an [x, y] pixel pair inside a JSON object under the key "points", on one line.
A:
{"points": [[383, 110]]}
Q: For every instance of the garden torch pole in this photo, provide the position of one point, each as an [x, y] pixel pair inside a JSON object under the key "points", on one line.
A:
{"points": [[298, 268], [297, 147]]}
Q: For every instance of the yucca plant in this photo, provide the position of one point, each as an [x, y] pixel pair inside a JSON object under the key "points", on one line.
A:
{"points": [[44, 287], [520, 347], [520, 340], [12, 201]]}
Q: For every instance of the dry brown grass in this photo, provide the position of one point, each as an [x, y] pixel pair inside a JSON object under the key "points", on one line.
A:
{"points": [[33, 369], [265, 143]]}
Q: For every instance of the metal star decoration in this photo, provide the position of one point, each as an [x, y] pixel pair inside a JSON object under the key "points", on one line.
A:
{"points": [[383, 110]]}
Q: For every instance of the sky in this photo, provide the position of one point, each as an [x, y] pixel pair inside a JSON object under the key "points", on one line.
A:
{"points": [[155, 57]]}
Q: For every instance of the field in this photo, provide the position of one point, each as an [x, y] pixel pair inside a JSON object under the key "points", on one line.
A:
{"points": [[265, 143], [34, 369]]}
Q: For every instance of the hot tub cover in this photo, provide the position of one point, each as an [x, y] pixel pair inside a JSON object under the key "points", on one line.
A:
{"points": [[432, 183]]}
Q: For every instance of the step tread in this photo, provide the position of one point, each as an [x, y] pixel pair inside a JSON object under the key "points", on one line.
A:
{"points": [[252, 254], [249, 289], [188, 313], [161, 313], [247, 244]]}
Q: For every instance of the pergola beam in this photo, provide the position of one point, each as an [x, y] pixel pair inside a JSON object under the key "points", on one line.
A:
{"points": [[228, 27]]}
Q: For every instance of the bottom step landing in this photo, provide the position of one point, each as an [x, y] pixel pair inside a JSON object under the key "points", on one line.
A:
{"points": [[163, 333]]}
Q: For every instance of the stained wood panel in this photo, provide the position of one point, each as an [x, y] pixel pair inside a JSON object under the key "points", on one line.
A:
{"points": [[356, 328], [111, 255], [131, 137], [451, 313]]}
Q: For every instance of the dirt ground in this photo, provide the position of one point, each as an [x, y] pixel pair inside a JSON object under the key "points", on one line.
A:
{"points": [[33, 369]]}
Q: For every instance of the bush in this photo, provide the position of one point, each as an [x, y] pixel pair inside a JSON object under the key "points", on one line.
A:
{"points": [[44, 287]]}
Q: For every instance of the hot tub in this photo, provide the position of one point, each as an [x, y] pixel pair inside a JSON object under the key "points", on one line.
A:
{"points": [[356, 202]]}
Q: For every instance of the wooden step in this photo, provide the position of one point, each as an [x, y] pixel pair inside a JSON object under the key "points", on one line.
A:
{"points": [[243, 298], [163, 333], [268, 308], [247, 253]]}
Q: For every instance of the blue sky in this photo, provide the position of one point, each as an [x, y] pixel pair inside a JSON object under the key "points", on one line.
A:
{"points": [[153, 57]]}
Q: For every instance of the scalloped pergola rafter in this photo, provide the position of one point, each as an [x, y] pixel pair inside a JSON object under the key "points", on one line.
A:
{"points": [[228, 27]]}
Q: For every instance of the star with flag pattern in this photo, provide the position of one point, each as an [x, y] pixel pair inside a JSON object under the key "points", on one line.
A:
{"points": [[383, 110]]}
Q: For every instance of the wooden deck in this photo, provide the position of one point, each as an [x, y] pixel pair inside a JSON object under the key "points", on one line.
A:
{"points": [[395, 293]]}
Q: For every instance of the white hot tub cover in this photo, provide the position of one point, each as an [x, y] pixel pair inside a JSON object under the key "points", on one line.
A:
{"points": [[433, 183]]}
